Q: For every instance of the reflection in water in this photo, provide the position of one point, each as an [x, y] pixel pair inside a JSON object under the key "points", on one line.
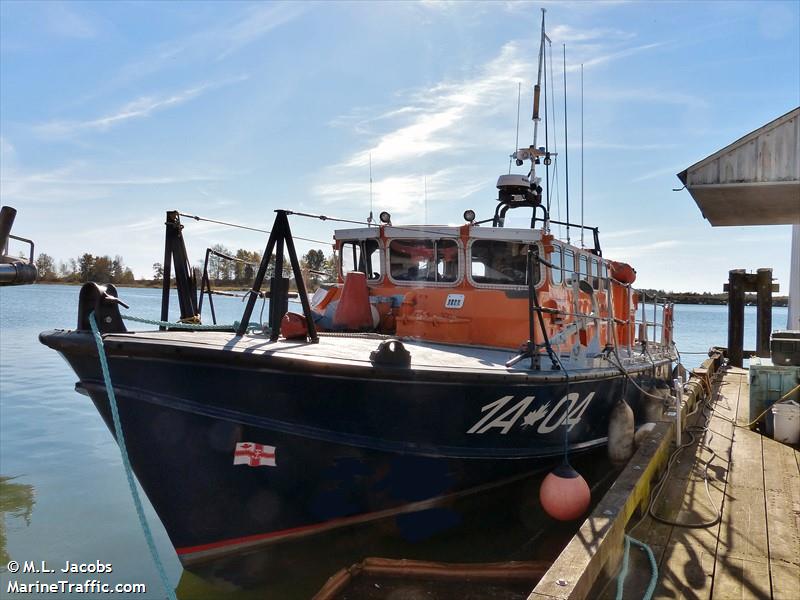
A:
{"points": [[16, 499], [499, 525]]}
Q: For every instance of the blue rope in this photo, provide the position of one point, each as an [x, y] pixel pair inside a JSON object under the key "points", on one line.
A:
{"points": [[126, 461], [623, 572]]}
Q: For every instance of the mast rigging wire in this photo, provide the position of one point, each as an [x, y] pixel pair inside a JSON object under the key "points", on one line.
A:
{"points": [[353, 222], [566, 142], [551, 87], [582, 156], [546, 144], [238, 226], [516, 139]]}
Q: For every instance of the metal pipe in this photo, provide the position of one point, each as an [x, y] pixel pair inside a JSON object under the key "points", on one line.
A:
{"points": [[7, 216], [678, 404], [17, 273]]}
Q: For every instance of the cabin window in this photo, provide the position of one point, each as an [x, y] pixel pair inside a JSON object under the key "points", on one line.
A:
{"points": [[583, 267], [604, 274], [434, 261], [501, 263], [556, 272], [596, 284], [362, 255], [569, 265]]}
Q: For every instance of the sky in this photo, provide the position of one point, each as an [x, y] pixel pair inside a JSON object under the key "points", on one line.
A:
{"points": [[112, 113]]}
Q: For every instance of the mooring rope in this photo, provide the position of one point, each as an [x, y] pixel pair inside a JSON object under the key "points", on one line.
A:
{"points": [[191, 326], [112, 400]]}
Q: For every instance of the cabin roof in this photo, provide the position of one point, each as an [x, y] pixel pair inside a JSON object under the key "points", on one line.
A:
{"points": [[439, 231]]}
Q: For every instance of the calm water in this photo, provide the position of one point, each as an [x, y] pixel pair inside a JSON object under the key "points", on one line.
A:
{"points": [[69, 500]]}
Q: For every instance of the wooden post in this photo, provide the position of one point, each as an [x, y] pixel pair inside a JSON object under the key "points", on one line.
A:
{"points": [[736, 283], [764, 319]]}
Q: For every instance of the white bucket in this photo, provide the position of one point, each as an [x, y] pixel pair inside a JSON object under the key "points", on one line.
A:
{"points": [[786, 418]]}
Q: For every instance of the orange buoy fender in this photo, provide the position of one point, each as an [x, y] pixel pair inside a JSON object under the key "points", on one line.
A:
{"points": [[622, 272], [564, 494], [353, 310], [294, 326]]}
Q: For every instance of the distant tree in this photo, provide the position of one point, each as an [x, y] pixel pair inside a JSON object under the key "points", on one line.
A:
{"points": [[86, 267], [331, 267], [46, 267], [244, 270], [312, 264], [158, 271], [127, 277], [219, 268], [314, 260], [101, 270], [117, 269]]}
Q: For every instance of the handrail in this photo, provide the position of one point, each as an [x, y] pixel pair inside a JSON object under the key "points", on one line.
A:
{"points": [[27, 241]]}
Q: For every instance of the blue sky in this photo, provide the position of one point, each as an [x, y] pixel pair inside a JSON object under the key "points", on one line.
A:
{"points": [[113, 112]]}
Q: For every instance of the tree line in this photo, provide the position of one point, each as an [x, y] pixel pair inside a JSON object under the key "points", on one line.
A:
{"points": [[226, 268], [86, 267], [230, 269]]}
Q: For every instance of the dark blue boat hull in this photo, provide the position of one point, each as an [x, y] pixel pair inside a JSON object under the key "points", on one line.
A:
{"points": [[347, 449]]}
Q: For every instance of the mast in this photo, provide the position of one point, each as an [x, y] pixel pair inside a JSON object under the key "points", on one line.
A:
{"points": [[370, 218], [536, 90]]}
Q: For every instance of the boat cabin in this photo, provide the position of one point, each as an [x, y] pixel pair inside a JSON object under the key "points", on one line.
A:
{"points": [[470, 285]]}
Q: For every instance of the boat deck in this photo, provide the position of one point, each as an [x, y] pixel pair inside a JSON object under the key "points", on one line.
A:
{"points": [[355, 350]]}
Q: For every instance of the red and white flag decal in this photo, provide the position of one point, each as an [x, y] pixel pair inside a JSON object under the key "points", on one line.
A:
{"points": [[254, 455]]}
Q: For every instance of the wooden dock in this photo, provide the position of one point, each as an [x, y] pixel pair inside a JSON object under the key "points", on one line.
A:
{"points": [[752, 551]]}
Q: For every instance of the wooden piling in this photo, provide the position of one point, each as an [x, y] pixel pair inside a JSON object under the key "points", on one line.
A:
{"points": [[764, 311], [736, 285]]}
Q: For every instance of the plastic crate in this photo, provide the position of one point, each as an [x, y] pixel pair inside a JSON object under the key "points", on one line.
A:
{"points": [[785, 347]]}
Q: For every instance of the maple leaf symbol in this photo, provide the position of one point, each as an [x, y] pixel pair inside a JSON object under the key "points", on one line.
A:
{"points": [[535, 415]]}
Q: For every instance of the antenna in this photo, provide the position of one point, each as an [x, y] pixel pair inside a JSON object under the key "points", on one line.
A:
{"points": [[566, 145], [370, 219], [581, 155], [516, 139], [536, 89], [547, 146], [425, 184]]}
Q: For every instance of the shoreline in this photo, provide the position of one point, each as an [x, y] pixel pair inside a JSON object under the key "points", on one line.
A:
{"points": [[700, 298]]}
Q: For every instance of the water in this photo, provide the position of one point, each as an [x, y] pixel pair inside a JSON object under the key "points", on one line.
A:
{"points": [[69, 499]]}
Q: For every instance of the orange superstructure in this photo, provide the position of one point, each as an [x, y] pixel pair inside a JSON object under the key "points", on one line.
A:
{"points": [[469, 285]]}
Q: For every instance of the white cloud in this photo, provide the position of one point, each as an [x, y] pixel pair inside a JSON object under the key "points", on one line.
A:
{"points": [[403, 195], [659, 173], [649, 96], [62, 20], [442, 119], [136, 109], [450, 122], [600, 59], [80, 182], [568, 35], [256, 22], [216, 43]]}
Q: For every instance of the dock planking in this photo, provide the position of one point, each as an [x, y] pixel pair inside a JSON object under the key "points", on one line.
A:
{"points": [[754, 550]]}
